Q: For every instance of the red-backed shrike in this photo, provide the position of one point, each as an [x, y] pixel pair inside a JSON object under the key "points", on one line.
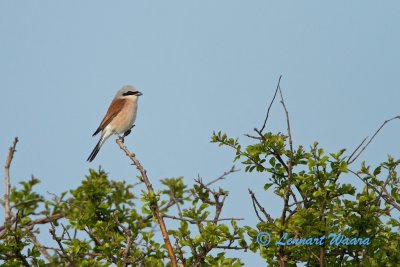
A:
{"points": [[119, 118]]}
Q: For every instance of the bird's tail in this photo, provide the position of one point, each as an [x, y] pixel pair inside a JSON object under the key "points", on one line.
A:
{"points": [[97, 148]]}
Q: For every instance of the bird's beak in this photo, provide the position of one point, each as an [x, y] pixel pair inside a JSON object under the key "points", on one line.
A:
{"points": [[139, 94]]}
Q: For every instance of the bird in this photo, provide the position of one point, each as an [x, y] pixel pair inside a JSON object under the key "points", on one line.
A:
{"points": [[120, 117]]}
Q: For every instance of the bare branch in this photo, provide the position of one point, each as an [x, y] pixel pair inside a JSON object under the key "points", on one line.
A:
{"points": [[218, 207], [232, 170], [289, 133], [290, 161], [17, 249], [174, 201], [350, 160], [66, 232], [40, 247], [354, 152], [128, 248], [216, 194], [282, 256], [52, 231], [129, 241], [387, 197], [92, 236], [43, 220], [253, 137], [269, 107], [180, 253], [231, 247], [40, 199], [10, 156], [192, 221], [154, 206], [255, 202]]}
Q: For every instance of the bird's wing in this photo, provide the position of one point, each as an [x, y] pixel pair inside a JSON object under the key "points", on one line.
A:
{"points": [[115, 108]]}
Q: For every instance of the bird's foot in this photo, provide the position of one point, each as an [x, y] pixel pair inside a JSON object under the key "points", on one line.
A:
{"points": [[122, 137], [128, 132]]}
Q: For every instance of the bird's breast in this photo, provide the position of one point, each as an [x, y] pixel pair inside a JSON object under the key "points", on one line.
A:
{"points": [[125, 118]]}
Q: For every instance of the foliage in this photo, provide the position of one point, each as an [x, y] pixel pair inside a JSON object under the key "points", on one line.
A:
{"points": [[319, 199], [103, 222], [100, 224]]}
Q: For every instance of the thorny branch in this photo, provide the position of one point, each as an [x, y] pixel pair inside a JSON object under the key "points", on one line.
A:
{"points": [[154, 205]]}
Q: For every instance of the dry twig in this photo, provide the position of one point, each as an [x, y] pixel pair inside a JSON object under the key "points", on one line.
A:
{"points": [[232, 170], [43, 220], [256, 203], [192, 221], [282, 256], [62, 251], [7, 208], [269, 108], [42, 249], [384, 194], [350, 160]]}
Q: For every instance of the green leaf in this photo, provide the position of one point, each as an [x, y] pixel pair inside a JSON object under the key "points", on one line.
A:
{"points": [[377, 170], [267, 186]]}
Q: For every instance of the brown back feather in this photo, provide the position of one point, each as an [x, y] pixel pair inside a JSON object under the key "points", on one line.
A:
{"points": [[115, 108]]}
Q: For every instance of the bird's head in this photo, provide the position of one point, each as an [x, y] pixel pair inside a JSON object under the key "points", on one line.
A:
{"points": [[128, 91]]}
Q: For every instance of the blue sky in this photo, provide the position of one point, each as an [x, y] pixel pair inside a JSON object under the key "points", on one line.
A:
{"points": [[202, 66]]}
